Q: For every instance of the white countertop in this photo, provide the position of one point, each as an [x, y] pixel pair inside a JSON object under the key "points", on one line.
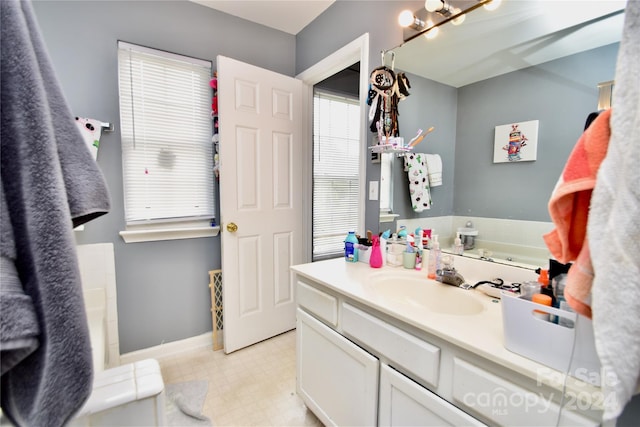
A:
{"points": [[481, 333]]}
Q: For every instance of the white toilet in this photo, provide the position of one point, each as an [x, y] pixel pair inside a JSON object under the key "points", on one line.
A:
{"points": [[128, 395], [125, 395]]}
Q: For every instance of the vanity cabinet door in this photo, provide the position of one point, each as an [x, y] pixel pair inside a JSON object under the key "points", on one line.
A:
{"points": [[404, 402], [336, 379], [505, 403]]}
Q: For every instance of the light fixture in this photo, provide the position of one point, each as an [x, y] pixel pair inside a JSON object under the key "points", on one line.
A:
{"points": [[447, 13], [432, 32], [460, 19], [432, 5], [440, 6], [493, 4], [407, 19]]}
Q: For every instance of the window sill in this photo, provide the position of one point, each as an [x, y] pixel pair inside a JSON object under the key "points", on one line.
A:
{"points": [[154, 235], [388, 217]]}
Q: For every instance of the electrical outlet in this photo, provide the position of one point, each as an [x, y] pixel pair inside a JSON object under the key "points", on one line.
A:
{"points": [[373, 190]]}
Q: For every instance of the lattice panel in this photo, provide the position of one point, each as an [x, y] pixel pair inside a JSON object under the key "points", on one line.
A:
{"points": [[215, 284]]}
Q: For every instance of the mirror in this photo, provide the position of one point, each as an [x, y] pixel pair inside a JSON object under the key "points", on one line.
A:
{"points": [[527, 60]]}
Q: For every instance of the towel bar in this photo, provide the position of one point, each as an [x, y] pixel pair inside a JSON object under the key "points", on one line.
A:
{"points": [[107, 127]]}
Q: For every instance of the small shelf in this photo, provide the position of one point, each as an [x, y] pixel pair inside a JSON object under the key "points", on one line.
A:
{"points": [[388, 217], [390, 148]]}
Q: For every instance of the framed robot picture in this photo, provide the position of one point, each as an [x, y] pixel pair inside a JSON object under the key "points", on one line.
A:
{"points": [[516, 142]]}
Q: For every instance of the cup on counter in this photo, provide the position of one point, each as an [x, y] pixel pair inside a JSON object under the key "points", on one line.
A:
{"points": [[529, 289], [364, 253], [409, 260]]}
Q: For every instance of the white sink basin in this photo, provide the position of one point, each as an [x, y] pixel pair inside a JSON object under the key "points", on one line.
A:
{"points": [[426, 294]]}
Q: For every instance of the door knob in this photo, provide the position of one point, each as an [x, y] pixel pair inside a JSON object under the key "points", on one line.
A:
{"points": [[232, 227]]}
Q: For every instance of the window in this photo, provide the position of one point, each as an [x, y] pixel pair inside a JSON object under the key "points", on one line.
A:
{"points": [[167, 153], [336, 176]]}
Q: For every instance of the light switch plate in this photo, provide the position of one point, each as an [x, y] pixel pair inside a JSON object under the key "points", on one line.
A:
{"points": [[373, 190]]}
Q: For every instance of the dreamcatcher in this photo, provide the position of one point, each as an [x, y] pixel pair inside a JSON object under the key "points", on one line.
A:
{"points": [[386, 89]]}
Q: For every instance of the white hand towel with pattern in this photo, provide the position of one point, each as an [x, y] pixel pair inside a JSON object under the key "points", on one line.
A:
{"points": [[91, 130], [416, 167]]}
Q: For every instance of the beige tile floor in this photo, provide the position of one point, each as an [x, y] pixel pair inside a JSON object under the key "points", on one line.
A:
{"points": [[252, 386]]}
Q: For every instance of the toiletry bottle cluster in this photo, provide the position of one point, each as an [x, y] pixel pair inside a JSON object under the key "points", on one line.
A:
{"points": [[549, 292], [370, 246], [401, 248]]}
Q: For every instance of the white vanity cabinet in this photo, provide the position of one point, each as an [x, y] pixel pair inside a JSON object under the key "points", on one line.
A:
{"points": [[344, 385], [403, 402], [336, 379], [359, 364]]}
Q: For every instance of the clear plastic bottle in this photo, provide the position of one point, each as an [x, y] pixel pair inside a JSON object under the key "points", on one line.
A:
{"points": [[434, 258], [351, 247], [458, 247], [558, 283]]}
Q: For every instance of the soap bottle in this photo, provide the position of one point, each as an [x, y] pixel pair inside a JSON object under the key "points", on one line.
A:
{"points": [[350, 247], [375, 260], [545, 289], [434, 258], [426, 235], [458, 247], [543, 279], [558, 283]]}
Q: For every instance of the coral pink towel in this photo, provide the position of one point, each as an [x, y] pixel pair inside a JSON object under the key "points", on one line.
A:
{"points": [[569, 210]]}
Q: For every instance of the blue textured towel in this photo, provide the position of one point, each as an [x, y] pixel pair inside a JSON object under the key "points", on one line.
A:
{"points": [[49, 180]]}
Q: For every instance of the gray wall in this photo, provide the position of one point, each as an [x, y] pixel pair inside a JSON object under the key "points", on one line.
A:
{"points": [[560, 94], [340, 24], [162, 286], [430, 104]]}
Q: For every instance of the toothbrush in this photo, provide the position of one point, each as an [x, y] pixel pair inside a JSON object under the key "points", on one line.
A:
{"points": [[421, 137], [415, 137]]}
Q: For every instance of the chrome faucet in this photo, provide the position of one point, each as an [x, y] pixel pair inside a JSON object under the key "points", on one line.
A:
{"points": [[448, 274]]}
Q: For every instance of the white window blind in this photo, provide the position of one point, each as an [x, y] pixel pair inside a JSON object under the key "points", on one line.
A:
{"points": [[165, 119], [336, 157]]}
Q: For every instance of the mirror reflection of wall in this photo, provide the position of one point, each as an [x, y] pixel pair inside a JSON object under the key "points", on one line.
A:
{"points": [[559, 93]]}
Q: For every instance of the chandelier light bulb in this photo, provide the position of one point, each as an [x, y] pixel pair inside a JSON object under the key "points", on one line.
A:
{"points": [[433, 32], [405, 18], [460, 19], [432, 5], [493, 4]]}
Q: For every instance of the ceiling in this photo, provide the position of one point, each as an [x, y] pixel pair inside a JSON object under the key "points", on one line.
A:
{"points": [[290, 16], [519, 34]]}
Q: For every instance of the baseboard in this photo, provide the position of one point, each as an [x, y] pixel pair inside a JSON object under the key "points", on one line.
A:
{"points": [[169, 349]]}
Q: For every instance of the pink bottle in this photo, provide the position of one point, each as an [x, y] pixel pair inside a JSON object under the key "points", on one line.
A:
{"points": [[376, 254]]}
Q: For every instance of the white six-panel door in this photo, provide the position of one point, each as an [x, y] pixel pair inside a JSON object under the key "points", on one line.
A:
{"points": [[261, 194]]}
